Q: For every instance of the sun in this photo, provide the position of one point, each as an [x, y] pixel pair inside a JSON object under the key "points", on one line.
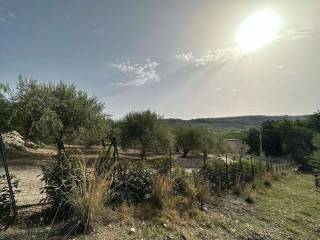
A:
{"points": [[257, 31]]}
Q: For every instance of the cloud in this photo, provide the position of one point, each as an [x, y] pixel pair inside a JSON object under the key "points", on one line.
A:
{"points": [[99, 31], [138, 74], [12, 15], [296, 34], [185, 56], [219, 55], [2, 20]]}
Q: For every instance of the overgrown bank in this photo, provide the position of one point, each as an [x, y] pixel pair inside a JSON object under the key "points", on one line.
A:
{"points": [[287, 210]]}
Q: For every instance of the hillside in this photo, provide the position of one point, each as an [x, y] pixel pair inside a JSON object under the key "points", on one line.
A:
{"points": [[230, 124]]}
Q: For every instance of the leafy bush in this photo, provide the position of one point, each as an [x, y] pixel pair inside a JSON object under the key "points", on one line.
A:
{"points": [[130, 184], [59, 181], [162, 166], [180, 182], [144, 131], [5, 200]]}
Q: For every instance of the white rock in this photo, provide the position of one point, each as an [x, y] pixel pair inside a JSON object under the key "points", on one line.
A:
{"points": [[14, 140]]}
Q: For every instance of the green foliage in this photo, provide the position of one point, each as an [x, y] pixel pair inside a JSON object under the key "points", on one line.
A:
{"points": [[313, 121], [5, 108], [253, 140], [59, 181], [5, 200], [144, 131], [180, 181], [283, 137], [223, 177], [189, 138], [48, 112], [162, 166], [130, 184]]}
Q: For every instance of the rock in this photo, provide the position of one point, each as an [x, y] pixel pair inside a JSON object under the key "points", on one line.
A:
{"points": [[13, 140], [30, 144], [204, 208], [147, 196]]}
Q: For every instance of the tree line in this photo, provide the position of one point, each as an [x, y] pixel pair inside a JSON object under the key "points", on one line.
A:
{"points": [[59, 112], [297, 139]]}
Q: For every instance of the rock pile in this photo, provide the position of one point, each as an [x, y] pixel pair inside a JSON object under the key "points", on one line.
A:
{"points": [[13, 140]]}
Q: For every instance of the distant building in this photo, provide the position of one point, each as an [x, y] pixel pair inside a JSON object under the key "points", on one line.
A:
{"points": [[235, 146]]}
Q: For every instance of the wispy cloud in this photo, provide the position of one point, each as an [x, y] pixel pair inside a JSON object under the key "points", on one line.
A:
{"points": [[3, 20], [6, 18], [138, 74], [12, 15], [219, 55], [185, 56], [99, 31], [296, 34]]}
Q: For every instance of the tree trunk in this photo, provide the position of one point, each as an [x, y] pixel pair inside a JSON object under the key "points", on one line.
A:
{"points": [[143, 154], [60, 144], [185, 153]]}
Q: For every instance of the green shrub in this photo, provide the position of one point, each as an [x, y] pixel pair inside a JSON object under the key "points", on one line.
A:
{"points": [[130, 183], [5, 200], [162, 166], [180, 182], [59, 181]]}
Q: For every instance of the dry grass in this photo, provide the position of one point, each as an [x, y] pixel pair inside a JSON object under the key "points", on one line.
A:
{"points": [[88, 198], [161, 188]]}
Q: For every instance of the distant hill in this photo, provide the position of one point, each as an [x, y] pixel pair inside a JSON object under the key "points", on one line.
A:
{"points": [[230, 124]]}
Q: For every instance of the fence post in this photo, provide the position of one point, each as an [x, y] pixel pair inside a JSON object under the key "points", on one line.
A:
{"points": [[170, 163], [227, 170], [260, 170], [252, 169], [204, 159], [241, 168]]}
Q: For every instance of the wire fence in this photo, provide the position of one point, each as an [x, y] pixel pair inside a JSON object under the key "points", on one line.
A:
{"points": [[224, 168]]}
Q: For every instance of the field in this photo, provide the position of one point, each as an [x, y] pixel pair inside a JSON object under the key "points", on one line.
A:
{"points": [[287, 210]]}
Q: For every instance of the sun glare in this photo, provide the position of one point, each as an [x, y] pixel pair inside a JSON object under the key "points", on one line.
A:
{"points": [[257, 31]]}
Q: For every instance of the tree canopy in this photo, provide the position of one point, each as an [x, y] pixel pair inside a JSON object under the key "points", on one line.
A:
{"points": [[5, 108], [145, 131], [283, 137], [51, 112]]}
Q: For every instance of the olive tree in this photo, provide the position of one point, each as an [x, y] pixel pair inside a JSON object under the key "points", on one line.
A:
{"points": [[5, 108], [50, 112], [145, 131], [188, 139]]}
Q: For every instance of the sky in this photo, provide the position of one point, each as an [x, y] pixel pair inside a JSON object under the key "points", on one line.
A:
{"points": [[180, 58]]}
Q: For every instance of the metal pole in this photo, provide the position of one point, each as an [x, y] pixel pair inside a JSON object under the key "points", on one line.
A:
{"points": [[241, 170], [8, 176], [204, 159], [252, 169], [227, 170], [260, 170], [260, 141], [170, 162]]}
